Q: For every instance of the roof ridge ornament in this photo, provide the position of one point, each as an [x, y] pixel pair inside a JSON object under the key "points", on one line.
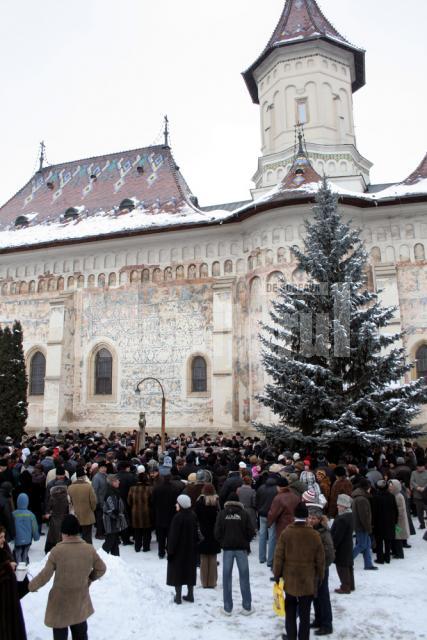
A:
{"points": [[42, 156]]}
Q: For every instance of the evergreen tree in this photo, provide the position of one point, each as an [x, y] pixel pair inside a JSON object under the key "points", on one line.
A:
{"points": [[335, 372], [13, 382]]}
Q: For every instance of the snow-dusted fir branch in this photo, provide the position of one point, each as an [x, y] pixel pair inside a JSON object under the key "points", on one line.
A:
{"points": [[335, 373]]}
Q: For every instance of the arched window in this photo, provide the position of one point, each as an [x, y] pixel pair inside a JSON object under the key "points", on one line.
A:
{"points": [[421, 358], [199, 378], [103, 373], [37, 374]]}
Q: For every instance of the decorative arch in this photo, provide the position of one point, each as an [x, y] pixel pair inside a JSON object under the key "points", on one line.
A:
{"points": [[204, 270], [375, 254], [419, 251], [102, 373], [228, 266], [112, 279], [36, 365], [216, 269], [198, 375], [421, 361]]}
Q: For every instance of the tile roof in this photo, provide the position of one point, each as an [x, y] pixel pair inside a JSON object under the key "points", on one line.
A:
{"points": [[303, 20], [420, 172], [148, 176]]}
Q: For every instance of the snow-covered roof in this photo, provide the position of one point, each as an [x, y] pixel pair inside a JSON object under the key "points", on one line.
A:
{"points": [[171, 212], [148, 177]]}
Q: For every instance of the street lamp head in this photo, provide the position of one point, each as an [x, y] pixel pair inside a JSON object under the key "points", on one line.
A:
{"points": [[137, 390]]}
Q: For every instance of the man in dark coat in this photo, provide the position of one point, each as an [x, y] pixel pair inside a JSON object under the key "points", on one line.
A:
{"points": [[164, 503], [342, 536], [384, 520], [322, 602], [57, 508], [233, 481], [402, 472], [182, 550], [282, 508], [114, 516], [342, 485], [264, 497], [234, 531], [127, 480], [6, 508], [362, 516]]}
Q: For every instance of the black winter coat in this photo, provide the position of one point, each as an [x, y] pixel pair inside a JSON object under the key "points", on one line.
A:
{"points": [[6, 518], [384, 514], [233, 527], [164, 501], [342, 536], [206, 515], [127, 480], [265, 496], [230, 486], [182, 549], [12, 626]]}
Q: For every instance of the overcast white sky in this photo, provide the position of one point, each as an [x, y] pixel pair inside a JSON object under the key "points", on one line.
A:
{"points": [[96, 76]]}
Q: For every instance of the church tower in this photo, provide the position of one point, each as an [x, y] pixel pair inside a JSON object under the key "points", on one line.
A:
{"points": [[307, 75]]}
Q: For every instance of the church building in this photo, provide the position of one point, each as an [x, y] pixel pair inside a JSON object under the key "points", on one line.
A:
{"points": [[117, 274]]}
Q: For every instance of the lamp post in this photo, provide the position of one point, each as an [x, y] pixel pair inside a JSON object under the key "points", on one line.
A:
{"points": [[163, 431]]}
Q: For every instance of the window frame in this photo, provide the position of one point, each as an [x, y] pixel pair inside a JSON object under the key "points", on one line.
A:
{"points": [[206, 393], [423, 372], [91, 381], [31, 391]]}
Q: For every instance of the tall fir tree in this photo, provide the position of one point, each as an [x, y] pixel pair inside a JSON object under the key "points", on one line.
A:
{"points": [[13, 382], [335, 372]]}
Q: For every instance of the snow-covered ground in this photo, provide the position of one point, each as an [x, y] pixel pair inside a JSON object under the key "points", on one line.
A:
{"points": [[133, 601]]}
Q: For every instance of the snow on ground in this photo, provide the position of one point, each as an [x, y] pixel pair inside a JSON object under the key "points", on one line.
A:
{"points": [[133, 601]]}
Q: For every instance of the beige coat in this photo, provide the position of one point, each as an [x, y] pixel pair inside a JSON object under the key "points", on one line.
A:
{"points": [[402, 527], [83, 500], [75, 565]]}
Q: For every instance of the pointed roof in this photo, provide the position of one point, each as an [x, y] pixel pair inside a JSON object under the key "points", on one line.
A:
{"points": [[420, 173], [302, 20], [301, 172], [149, 177]]}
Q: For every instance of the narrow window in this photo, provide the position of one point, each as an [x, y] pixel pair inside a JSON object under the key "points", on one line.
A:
{"points": [[103, 373], [199, 380], [421, 358], [302, 111], [37, 374]]}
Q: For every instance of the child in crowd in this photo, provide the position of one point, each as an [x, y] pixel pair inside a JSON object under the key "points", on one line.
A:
{"points": [[26, 529]]}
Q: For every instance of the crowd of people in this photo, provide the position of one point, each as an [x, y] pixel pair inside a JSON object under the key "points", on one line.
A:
{"points": [[197, 498]]}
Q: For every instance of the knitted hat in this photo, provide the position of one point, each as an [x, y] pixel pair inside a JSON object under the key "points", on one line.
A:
{"points": [[242, 465], [309, 495], [296, 456], [167, 461], [344, 501], [192, 477], [184, 501], [140, 469]]}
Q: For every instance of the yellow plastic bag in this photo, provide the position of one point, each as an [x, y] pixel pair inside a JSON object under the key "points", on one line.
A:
{"points": [[279, 599]]}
